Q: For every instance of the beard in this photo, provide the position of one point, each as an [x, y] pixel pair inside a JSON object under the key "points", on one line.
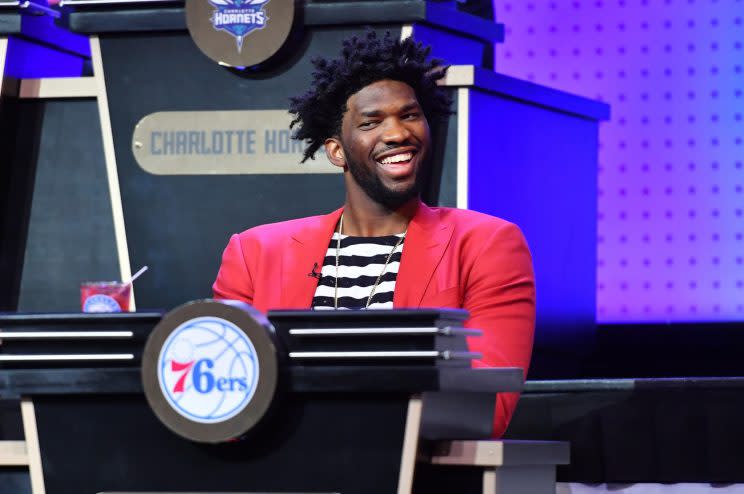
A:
{"points": [[372, 185]]}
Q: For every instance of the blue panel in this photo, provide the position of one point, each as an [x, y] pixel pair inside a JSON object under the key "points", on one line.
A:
{"points": [[43, 28], [44, 49], [29, 60], [538, 168], [452, 48]]}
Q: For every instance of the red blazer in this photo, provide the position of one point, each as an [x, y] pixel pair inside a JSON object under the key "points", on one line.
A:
{"points": [[451, 258]]}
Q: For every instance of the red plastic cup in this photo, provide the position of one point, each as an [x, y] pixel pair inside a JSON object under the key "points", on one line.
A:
{"points": [[105, 296]]}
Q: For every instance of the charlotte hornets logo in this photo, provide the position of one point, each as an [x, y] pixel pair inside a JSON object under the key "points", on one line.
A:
{"points": [[208, 370], [239, 17]]}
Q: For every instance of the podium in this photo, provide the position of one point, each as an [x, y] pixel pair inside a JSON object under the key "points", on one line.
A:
{"points": [[347, 416], [511, 149]]}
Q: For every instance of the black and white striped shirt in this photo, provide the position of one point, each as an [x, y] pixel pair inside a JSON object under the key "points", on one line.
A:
{"points": [[360, 262]]}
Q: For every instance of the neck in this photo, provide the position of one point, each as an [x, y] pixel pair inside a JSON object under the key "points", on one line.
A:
{"points": [[370, 219]]}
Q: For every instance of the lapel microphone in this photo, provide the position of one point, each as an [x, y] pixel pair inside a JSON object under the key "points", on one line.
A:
{"points": [[314, 274]]}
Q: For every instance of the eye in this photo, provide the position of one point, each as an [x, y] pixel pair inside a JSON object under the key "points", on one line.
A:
{"points": [[411, 116], [368, 124]]}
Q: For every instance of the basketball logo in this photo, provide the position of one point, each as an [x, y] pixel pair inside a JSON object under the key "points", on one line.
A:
{"points": [[101, 303], [240, 33], [208, 370]]}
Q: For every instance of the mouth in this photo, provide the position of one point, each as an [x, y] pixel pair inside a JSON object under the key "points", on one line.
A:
{"points": [[398, 163]]}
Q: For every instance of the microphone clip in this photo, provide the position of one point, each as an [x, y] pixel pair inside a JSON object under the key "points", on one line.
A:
{"points": [[313, 273]]}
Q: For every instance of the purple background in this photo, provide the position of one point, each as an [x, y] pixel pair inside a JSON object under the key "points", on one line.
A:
{"points": [[671, 179]]}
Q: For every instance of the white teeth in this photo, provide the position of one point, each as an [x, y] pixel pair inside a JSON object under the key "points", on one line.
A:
{"points": [[397, 158]]}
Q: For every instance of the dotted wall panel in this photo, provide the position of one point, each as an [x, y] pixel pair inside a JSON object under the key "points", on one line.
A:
{"points": [[671, 159]]}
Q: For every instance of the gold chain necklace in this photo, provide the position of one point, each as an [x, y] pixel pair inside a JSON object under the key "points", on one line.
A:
{"points": [[384, 267]]}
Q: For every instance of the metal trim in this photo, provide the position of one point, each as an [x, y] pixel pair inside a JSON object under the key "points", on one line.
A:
{"points": [[463, 144], [33, 448], [365, 355], [459, 75], [449, 355], [447, 331], [3, 52], [59, 87], [500, 453], [39, 335], [66, 357], [410, 445], [422, 354], [112, 174], [114, 2], [13, 454], [55, 318]]}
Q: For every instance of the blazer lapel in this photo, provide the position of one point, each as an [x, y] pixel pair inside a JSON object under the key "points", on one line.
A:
{"points": [[306, 247], [425, 244]]}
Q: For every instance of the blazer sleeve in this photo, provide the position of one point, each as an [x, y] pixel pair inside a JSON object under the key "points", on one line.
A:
{"points": [[234, 280], [500, 296]]}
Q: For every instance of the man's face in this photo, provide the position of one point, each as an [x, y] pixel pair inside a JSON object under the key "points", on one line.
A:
{"points": [[385, 139]]}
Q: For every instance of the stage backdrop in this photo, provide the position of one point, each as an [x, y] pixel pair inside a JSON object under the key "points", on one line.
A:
{"points": [[671, 162]]}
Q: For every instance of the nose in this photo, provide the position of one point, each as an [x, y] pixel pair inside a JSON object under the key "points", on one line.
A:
{"points": [[395, 131]]}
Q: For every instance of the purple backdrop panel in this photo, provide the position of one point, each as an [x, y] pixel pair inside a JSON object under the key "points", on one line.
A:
{"points": [[671, 181]]}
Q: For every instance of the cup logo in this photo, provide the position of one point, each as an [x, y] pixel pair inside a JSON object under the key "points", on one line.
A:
{"points": [[208, 370], [101, 303]]}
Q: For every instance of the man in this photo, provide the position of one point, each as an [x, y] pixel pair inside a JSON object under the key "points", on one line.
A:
{"points": [[370, 109]]}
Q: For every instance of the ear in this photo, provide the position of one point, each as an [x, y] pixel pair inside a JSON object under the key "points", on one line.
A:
{"points": [[335, 152]]}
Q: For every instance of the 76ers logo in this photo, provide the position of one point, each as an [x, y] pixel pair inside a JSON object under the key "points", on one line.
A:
{"points": [[207, 370]]}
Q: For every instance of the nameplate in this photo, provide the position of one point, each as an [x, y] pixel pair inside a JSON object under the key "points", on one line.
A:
{"points": [[243, 142]]}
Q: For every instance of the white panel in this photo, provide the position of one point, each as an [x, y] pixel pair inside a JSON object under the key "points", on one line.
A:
{"points": [[59, 87], [463, 122]]}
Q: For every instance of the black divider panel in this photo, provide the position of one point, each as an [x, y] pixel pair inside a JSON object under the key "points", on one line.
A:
{"points": [[11, 424], [20, 122], [660, 434], [70, 233], [315, 442], [179, 225], [443, 188]]}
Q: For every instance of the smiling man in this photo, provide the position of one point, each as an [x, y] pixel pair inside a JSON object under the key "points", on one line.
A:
{"points": [[370, 109]]}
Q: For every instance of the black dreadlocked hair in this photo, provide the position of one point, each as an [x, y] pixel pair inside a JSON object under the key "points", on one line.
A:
{"points": [[363, 61]]}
